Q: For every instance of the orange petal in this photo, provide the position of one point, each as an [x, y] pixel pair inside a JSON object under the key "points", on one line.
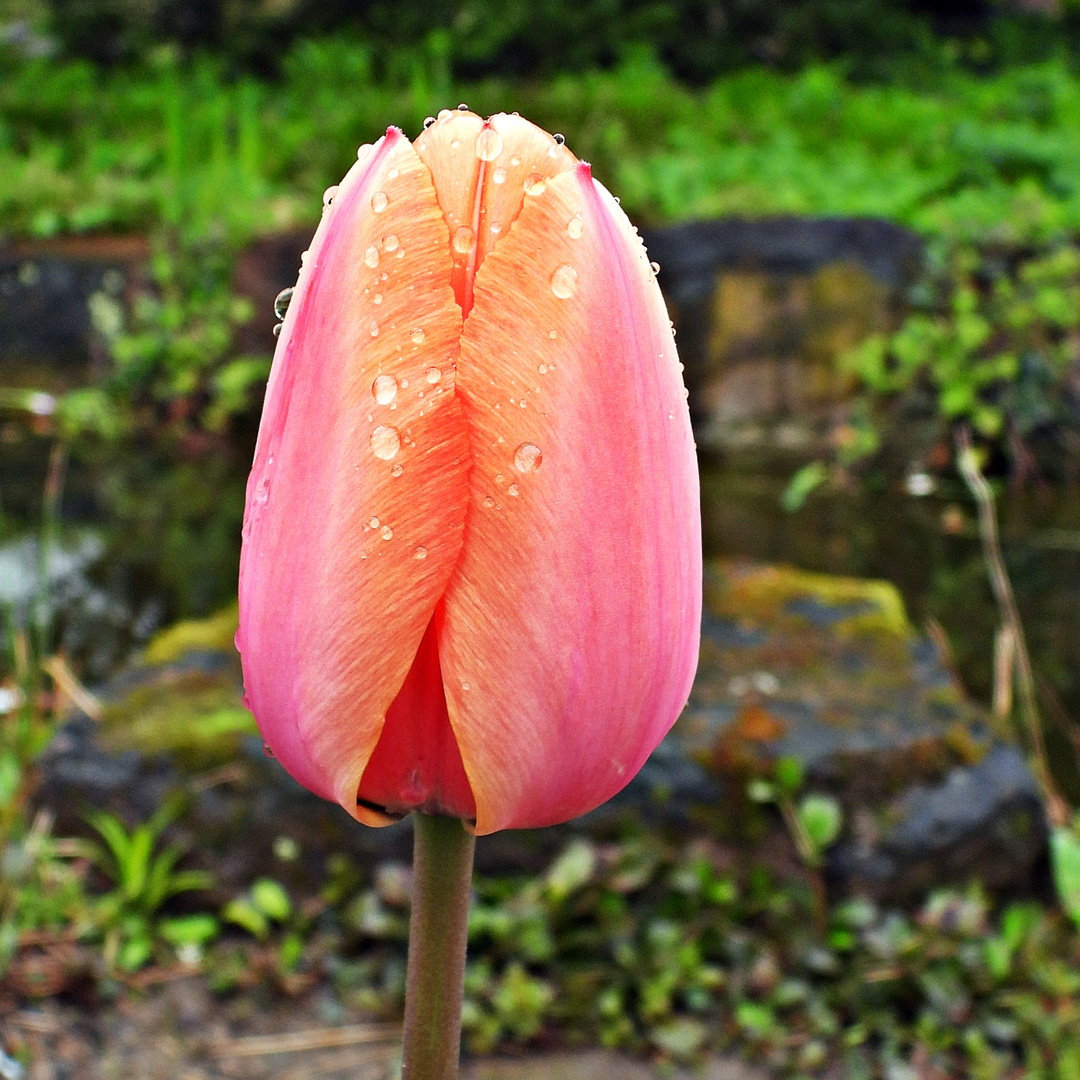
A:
{"points": [[571, 622], [482, 172], [356, 500]]}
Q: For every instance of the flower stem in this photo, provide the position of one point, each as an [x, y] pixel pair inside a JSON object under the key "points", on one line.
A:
{"points": [[442, 882]]}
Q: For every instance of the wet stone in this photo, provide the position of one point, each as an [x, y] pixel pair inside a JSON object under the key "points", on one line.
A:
{"points": [[824, 669]]}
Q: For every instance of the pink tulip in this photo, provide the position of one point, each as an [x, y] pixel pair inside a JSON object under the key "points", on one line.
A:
{"points": [[471, 572]]}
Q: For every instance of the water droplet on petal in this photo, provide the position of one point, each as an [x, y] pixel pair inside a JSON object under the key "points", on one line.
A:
{"points": [[385, 442], [455, 144], [564, 281], [281, 302], [277, 329], [499, 176], [328, 195], [464, 240], [534, 184], [463, 107], [374, 522], [397, 470], [262, 491], [542, 369], [379, 201], [433, 375], [371, 257], [390, 242], [489, 501], [417, 335], [515, 160], [574, 227], [363, 149], [655, 266], [387, 533], [495, 227], [489, 144], [420, 553], [267, 751], [374, 328], [377, 298], [394, 174], [560, 139], [527, 458], [499, 478], [512, 490], [464, 686], [428, 121], [444, 115], [384, 389]]}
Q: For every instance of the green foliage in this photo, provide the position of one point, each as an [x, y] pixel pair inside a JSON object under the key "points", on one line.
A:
{"points": [[265, 904], [1065, 857], [143, 879]]}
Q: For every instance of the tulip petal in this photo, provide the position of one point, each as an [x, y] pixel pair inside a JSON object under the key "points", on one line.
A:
{"points": [[357, 496], [482, 172], [571, 624]]}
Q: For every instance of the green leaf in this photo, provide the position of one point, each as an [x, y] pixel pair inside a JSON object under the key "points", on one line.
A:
{"points": [[1065, 859], [271, 899], [189, 930], [242, 912], [821, 817], [789, 774], [571, 870], [802, 484]]}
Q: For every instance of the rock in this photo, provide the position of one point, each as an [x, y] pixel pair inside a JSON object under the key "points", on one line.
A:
{"points": [[824, 669]]}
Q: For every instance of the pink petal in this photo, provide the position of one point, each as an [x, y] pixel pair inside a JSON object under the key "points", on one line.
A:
{"points": [[572, 619], [356, 502]]}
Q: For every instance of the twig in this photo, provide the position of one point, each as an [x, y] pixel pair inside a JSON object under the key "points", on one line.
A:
{"points": [[314, 1039], [57, 667], [1056, 807]]}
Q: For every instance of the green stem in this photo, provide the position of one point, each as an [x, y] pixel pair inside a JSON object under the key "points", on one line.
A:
{"points": [[442, 882]]}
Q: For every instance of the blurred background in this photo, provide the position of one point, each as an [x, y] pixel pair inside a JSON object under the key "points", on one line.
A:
{"points": [[866, 215]]}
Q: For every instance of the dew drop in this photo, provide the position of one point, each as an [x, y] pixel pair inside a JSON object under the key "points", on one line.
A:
{"points": [[379, 202], [384, 389], [512, 490], [262, 491], [499, 478], [387, 533], [390, 242], [463, 107], [417, 335], [515, 160], [489, 144], [385, 442], [564, 281], [281, 302], [277, 329], [303, 257], [527, 458], [397, 470], [433, 375], [393, 174], [655, 266], [363, 149], [552, 334], [267, 751], [444, 115], [374, 522], [428, 121], [560, 139], [489, 502], [495, 227], [535, 183], [574, 227], [420, 553], [465, 686], [371, 257], [499, 176], [464, 240], [455, 144], [374, 328], [377, 298], [328, 195]]}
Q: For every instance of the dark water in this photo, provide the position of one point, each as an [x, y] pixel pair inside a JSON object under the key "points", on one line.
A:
{"points": [[929, 548], [169, 525]]}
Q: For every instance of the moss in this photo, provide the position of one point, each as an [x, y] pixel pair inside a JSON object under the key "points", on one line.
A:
{"points": [[213, 634], [197, 718]]}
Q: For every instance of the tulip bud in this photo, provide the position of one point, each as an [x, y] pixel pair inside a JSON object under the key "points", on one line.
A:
{"points": [[470, 581]]}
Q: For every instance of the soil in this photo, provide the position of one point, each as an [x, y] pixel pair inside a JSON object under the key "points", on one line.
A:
{"points": [[180, 1031]]}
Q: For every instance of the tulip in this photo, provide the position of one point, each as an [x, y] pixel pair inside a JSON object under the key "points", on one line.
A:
{"points": [[470, 582]]}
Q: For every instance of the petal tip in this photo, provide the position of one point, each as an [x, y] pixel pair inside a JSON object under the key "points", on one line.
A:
{"points": [[584, 170]]}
